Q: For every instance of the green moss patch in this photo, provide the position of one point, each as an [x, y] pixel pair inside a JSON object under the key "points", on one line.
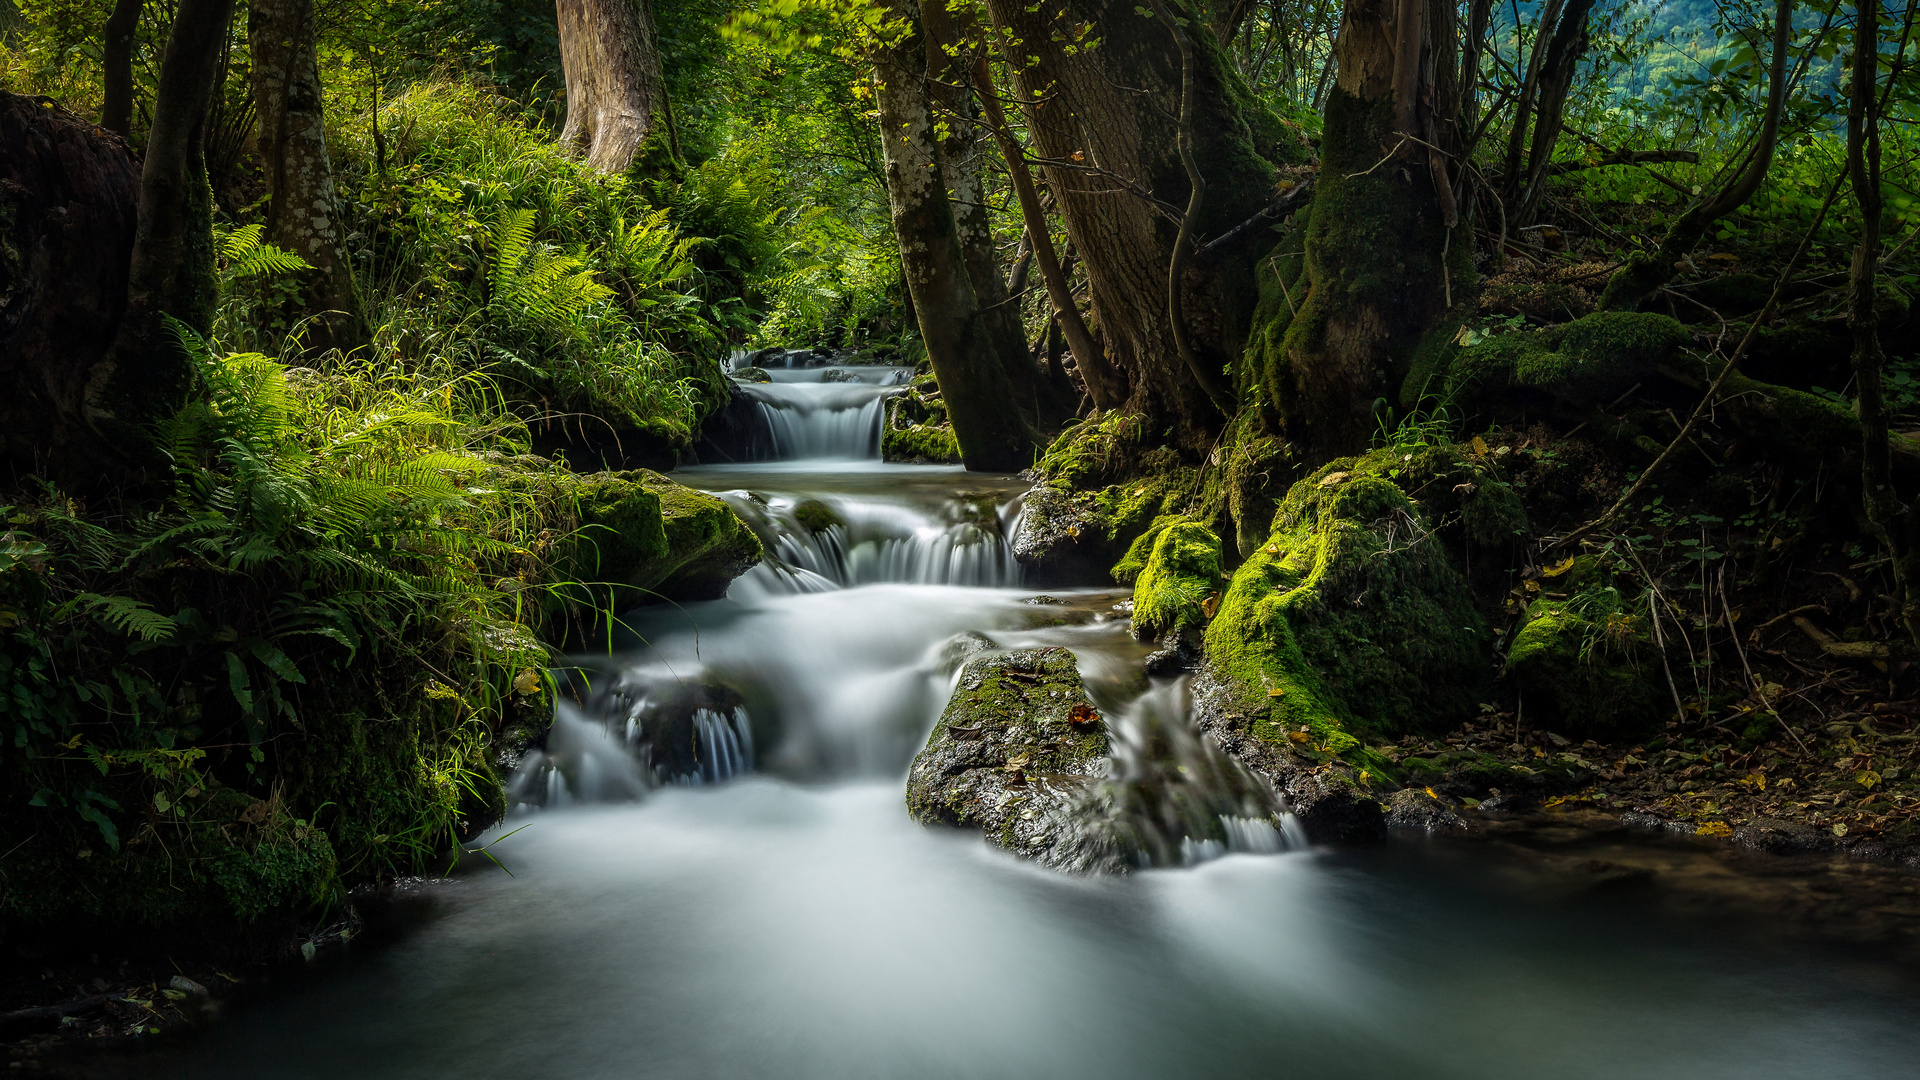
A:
{"points": [[1181, 575]]}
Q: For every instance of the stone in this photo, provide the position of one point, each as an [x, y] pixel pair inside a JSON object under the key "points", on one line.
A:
{"points": [[1414, 808]]}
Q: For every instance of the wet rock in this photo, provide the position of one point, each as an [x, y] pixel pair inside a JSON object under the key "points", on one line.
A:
{"points": [[752, 375], [1504, 804], [1058, 540], [1413, 808], [187, 986], [837, 375], [1043, 598], [1019, 754], [1165, 663], [1778, 837], [963, 647], [1333, 811], [816, 516]]}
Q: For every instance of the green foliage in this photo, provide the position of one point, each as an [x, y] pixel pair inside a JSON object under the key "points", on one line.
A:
{"points": [[186, 685]]}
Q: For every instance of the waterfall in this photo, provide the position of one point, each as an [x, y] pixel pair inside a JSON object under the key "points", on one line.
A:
{"points": [[832, 413], [840, 542]]}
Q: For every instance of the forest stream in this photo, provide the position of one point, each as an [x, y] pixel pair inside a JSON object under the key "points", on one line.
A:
{"points": [[770, 910]]}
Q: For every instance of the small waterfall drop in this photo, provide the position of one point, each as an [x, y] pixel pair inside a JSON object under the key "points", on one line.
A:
{"points": [[831, 413]]}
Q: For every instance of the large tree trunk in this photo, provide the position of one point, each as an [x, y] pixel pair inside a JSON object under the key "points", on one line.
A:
{"points": [[116, 61], [1386, 254], [302, 214], [616, 94], [1106, 123], [171, 272], [68, 198], [993, 434]]}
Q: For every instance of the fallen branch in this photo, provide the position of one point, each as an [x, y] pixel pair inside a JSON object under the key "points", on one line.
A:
{"points": [[1856, 650]]}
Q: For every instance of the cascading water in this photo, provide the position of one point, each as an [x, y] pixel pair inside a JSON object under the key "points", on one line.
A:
{"points": [[749, 897], [831, 413]]}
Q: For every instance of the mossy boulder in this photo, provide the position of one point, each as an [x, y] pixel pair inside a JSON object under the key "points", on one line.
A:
{"points": [[917, 430], [1180, 580], [751, 375], [1588, 668], [1018, 754], [1352, 618], [1100, 490], [647, 538], [1587, 361]]}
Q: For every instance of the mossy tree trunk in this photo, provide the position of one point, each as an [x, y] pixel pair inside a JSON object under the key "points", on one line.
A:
{"points": [[116, 62], [302, 214], [1105, 122], [616, 94], [994, 436], [1386, 253], [146, 375], [1893, 520]]}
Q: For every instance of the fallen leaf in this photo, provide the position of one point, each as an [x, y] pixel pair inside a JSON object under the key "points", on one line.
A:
{"points": [[1840, 829], [1210, 605], [1083, 714], [1298, 736], [1714, 828], [527, 682], [1479, 446], [1558, 568], [1332, 478], [1276, 692]]}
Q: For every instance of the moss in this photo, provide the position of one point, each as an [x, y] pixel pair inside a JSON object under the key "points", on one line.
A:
{"points": [[1589, 360], [644, 537], [1352, 616], [1180, 575], [1128, 569], [1587, 667], [917, 430], [816, 516]]}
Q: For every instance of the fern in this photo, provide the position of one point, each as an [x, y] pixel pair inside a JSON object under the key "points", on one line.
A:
{"points": [[129, 616], [245, 255]]}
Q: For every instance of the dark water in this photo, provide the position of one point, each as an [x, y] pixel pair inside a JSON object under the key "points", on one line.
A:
{"points": [[795, 923]]}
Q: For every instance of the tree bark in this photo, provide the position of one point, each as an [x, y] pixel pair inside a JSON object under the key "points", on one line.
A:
{"points": [[950, 78], [960, 342], [1644, 274], [1892, 520], [68, 210], [116, 60], [302, 214], [1105, 386], [1386, 254], [1566, 44], [1105, 123], [615, 89], [170, 274]]}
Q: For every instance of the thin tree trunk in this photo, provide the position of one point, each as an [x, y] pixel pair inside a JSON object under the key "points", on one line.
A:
{"points": [[1644, 274], [302, 213], [1104, 384], [171, 272], [1892, 520], [973, 381], [1564, 51], [615, 89], [116, 58]]}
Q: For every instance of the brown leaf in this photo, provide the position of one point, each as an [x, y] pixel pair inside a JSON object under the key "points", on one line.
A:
{"points": [[1083, 715]]}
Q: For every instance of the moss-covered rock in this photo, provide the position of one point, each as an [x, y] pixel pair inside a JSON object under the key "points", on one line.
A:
{"points": [[1181, 577], [751, 375], [1352, 618], [917, 430], [646, 538], [1018, 754], [1100, 491], [1587, 667], [1587, 361]]}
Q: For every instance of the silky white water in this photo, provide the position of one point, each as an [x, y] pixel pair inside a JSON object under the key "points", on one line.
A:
{"points": [[773, 912]]}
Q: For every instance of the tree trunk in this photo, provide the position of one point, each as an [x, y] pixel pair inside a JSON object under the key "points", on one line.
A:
{"points": [[1644, 274], [1566, 44], [302, 214], [956, 107], [992, 434], [171, 271], [116, 58], [1105, 122], [1891, 519], [1386, 254], [1104, 384], [615, 89], [68, 211]]}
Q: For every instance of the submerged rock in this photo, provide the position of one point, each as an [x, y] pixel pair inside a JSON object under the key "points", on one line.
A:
{"points": [[1018, 754]]}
